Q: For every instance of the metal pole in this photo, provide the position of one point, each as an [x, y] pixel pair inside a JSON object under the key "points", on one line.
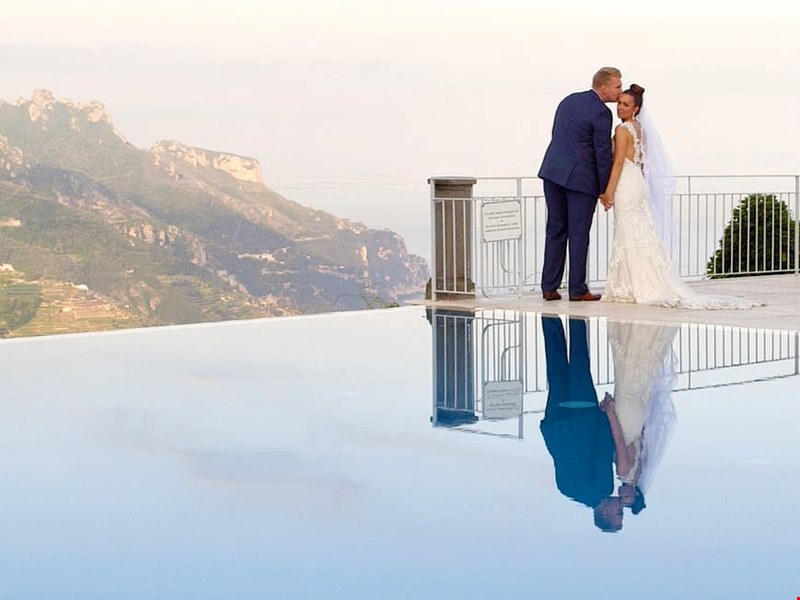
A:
{"points": [[453, 249], [520, 244], [467, 259], [433, 241], [472, 241], [535, 236], [434, 378], [796, 227], [521, 368], [680, 227]]}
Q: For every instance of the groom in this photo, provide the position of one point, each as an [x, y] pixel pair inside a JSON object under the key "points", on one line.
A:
{"points": [[577, 434], [575, 171]]}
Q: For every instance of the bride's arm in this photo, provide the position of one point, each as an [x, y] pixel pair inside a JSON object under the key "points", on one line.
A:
{"points": [[622, 139], [621, 456]]}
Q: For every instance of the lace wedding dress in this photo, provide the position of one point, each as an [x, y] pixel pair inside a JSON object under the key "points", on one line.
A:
{"points": [[644, 376], [640, 270]]}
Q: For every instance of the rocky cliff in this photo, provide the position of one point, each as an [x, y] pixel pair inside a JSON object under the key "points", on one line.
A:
{"points": [[176, 234]]}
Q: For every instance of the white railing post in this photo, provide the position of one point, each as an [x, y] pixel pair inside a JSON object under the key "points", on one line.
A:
{"points": [[796, 223], [521, 242], [430, 293]]}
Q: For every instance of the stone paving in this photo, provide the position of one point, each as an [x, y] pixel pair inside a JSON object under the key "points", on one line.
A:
{"points": [[779, 293]]}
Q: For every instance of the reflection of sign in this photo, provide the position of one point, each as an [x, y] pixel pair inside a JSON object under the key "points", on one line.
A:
{"points": [[502, 221], [502, 399]]}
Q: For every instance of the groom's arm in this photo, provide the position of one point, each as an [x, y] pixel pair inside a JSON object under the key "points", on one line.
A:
{"points": [[601, 140]]}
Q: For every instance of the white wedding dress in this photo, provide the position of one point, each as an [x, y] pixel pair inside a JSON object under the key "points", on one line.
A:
{"points": [[644, 376], [640, 269]]}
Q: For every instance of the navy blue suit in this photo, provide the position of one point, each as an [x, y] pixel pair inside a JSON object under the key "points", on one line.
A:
{"points": [[576, 432], [575, 170]]}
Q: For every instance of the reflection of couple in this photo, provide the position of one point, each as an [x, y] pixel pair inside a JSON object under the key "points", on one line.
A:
{"points": [[634, 177], [630, 429]]}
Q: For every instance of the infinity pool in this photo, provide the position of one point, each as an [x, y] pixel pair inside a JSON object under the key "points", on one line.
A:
{"points": [[401, 454]]}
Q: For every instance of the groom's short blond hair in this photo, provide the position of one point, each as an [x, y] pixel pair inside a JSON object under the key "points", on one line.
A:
{"points": [[604, 75]]}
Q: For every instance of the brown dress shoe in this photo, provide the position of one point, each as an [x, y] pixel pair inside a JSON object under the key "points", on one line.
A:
{"points": [[587, 297], [554, 295]]}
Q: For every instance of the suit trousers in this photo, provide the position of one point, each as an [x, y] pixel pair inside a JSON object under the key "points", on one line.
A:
{"points": [[569, 220], [576, 432], [569, 380]]}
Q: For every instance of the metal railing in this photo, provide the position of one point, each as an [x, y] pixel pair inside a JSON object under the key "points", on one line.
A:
{"points": [[493, 242], [473, 351]]}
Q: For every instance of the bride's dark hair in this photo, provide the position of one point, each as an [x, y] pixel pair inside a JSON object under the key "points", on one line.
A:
{"points": [[637, 93]]}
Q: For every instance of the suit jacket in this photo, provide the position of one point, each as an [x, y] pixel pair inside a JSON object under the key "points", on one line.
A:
{"points": [[582, 448], [579, 155]]}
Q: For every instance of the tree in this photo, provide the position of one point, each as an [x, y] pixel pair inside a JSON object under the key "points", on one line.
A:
{"points": [[19, 304], [758, 238]]}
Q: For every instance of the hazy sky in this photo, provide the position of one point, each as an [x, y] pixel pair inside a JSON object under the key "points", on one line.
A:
{"points": [[357, 89]]}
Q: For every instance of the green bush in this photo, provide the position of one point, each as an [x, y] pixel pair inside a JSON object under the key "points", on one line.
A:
{"points": [[758, 238], [18, 305]]}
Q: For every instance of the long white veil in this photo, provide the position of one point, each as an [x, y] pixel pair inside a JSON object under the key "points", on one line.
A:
{"points": [[659, 177], [661, 419]]}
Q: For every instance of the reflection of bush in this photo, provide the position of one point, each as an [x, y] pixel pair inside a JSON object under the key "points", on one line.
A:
{"points": [[758, 238], [18, 305]]}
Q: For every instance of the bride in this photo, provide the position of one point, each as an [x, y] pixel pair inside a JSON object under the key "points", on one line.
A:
{"points": [[640, 413], [640, 269]]}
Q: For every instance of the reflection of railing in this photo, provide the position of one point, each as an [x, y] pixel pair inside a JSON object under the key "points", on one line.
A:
{"points": [[712, 356], [706, 355], [488, 233], [453, 368], [475, 356], [471, 350]]}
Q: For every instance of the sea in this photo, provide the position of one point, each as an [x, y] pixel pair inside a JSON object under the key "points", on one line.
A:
{"points": [[401, 205]]}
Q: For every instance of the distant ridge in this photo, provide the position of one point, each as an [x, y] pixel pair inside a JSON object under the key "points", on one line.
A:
{"points": [[174, 233]]}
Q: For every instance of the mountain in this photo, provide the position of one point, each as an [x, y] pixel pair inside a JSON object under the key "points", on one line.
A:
{"points": [[175, 234]]}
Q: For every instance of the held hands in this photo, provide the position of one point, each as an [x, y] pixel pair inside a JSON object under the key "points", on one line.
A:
{"points": [[608, 405], [607, 201]]}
